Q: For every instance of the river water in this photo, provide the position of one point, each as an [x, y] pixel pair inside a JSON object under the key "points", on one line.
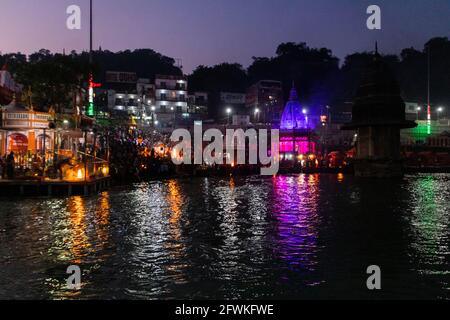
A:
{"points": [[285, 237]]}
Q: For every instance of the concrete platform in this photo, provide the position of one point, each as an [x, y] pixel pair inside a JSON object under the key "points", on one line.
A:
{"points": [[26, 188]]}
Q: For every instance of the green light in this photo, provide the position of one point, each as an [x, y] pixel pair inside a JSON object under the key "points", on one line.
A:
{"points": [[90, 111]]}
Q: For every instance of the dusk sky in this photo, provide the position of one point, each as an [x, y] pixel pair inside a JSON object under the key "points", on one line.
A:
{"points": [[213, 31]]}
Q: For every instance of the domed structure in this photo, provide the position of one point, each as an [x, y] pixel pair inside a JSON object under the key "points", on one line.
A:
{"points": [[378, 101], [293, 116], [378, 117], [296, 136]]}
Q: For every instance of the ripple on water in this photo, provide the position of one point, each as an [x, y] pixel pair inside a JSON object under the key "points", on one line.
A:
{"points": [[297, 236]]}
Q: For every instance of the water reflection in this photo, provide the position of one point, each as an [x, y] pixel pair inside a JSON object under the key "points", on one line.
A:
{"points": [[297, 236], [429, 225], [295, 208], [175, 245], [79, 242], [102, 216]]}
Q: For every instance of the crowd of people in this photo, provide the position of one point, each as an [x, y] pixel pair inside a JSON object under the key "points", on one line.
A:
{"points": [[7, 164], [134, 154]]}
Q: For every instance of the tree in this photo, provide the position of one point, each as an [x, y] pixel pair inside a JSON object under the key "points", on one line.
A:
{"points": [[224, 77]]}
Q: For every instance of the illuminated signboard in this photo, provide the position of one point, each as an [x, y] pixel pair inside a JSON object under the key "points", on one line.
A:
{"points": [[121, 77]]}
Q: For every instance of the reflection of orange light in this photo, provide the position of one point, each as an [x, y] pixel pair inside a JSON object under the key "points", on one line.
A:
{"points": [[340, 177], [174, 199], [233, 165], [105, 171], [102, 218], [79, 242], [80, 174]]}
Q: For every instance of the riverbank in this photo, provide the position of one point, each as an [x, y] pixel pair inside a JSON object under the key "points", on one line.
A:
{"points": [[27, 188]]}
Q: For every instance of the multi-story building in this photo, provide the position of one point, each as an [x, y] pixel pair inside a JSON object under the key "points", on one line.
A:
{"points": [[133, 97], [412, 111], [234, 102], [198, 103], [171, 103], [264, 101]]}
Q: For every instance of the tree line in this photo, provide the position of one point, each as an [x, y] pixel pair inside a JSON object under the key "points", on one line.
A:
{"points": [[322, 80], [320, 77]]}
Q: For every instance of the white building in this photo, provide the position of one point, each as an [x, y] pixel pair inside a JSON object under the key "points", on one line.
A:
{"points": [[171, 100]]}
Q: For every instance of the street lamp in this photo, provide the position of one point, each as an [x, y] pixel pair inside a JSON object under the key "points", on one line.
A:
{"points": [[229, 112], [257, 111], [153, 109], [439, 111]]}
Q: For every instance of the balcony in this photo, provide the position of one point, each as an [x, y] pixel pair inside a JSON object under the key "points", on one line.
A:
{"points": [[25, 120], [178, 87], [170, 99]]}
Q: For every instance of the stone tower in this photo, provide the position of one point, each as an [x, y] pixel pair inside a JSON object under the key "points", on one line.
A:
{"points": [[378, 117]]}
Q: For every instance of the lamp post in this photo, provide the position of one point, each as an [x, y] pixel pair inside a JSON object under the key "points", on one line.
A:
{"points": [[51, 126], [418, 113], [257, 112], [153, 108], [94, 149], [440, 110], [229, 112]]}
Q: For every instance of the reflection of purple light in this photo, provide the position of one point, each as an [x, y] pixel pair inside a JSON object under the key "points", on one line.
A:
{"points": [[296, 213]]}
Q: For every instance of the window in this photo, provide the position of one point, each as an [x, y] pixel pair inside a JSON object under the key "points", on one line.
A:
{"points": [[163, 96], [163, 85], [182, 97], [179, 109], [163, 108]]}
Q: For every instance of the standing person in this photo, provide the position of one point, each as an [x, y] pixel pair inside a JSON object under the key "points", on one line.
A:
{"points": [[10, 164], [1, 167]]}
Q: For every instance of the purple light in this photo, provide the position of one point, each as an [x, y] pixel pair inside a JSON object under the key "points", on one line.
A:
{"points": [[294, 116]]}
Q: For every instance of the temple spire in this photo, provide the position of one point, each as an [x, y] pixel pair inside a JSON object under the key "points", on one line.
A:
{"points": [[294, 95]]}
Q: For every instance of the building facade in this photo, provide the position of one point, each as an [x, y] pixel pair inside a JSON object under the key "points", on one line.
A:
{"points": [[264, 101], [171, 100]]}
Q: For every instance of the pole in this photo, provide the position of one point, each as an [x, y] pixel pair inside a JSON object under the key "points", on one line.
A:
{"points": [[91, 111], [44, 151], [429, 91], [94, 151], [90, 32], [85, 155]]}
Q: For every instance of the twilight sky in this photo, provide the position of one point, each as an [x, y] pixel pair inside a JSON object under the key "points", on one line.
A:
{"points": [[214, 31]]}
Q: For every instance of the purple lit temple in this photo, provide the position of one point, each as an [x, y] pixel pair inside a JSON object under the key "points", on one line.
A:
{"points": [[295, 129]]}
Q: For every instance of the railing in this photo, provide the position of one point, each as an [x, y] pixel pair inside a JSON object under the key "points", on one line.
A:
{"points": [[170, 99], [172, 88], [92, 166]]}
